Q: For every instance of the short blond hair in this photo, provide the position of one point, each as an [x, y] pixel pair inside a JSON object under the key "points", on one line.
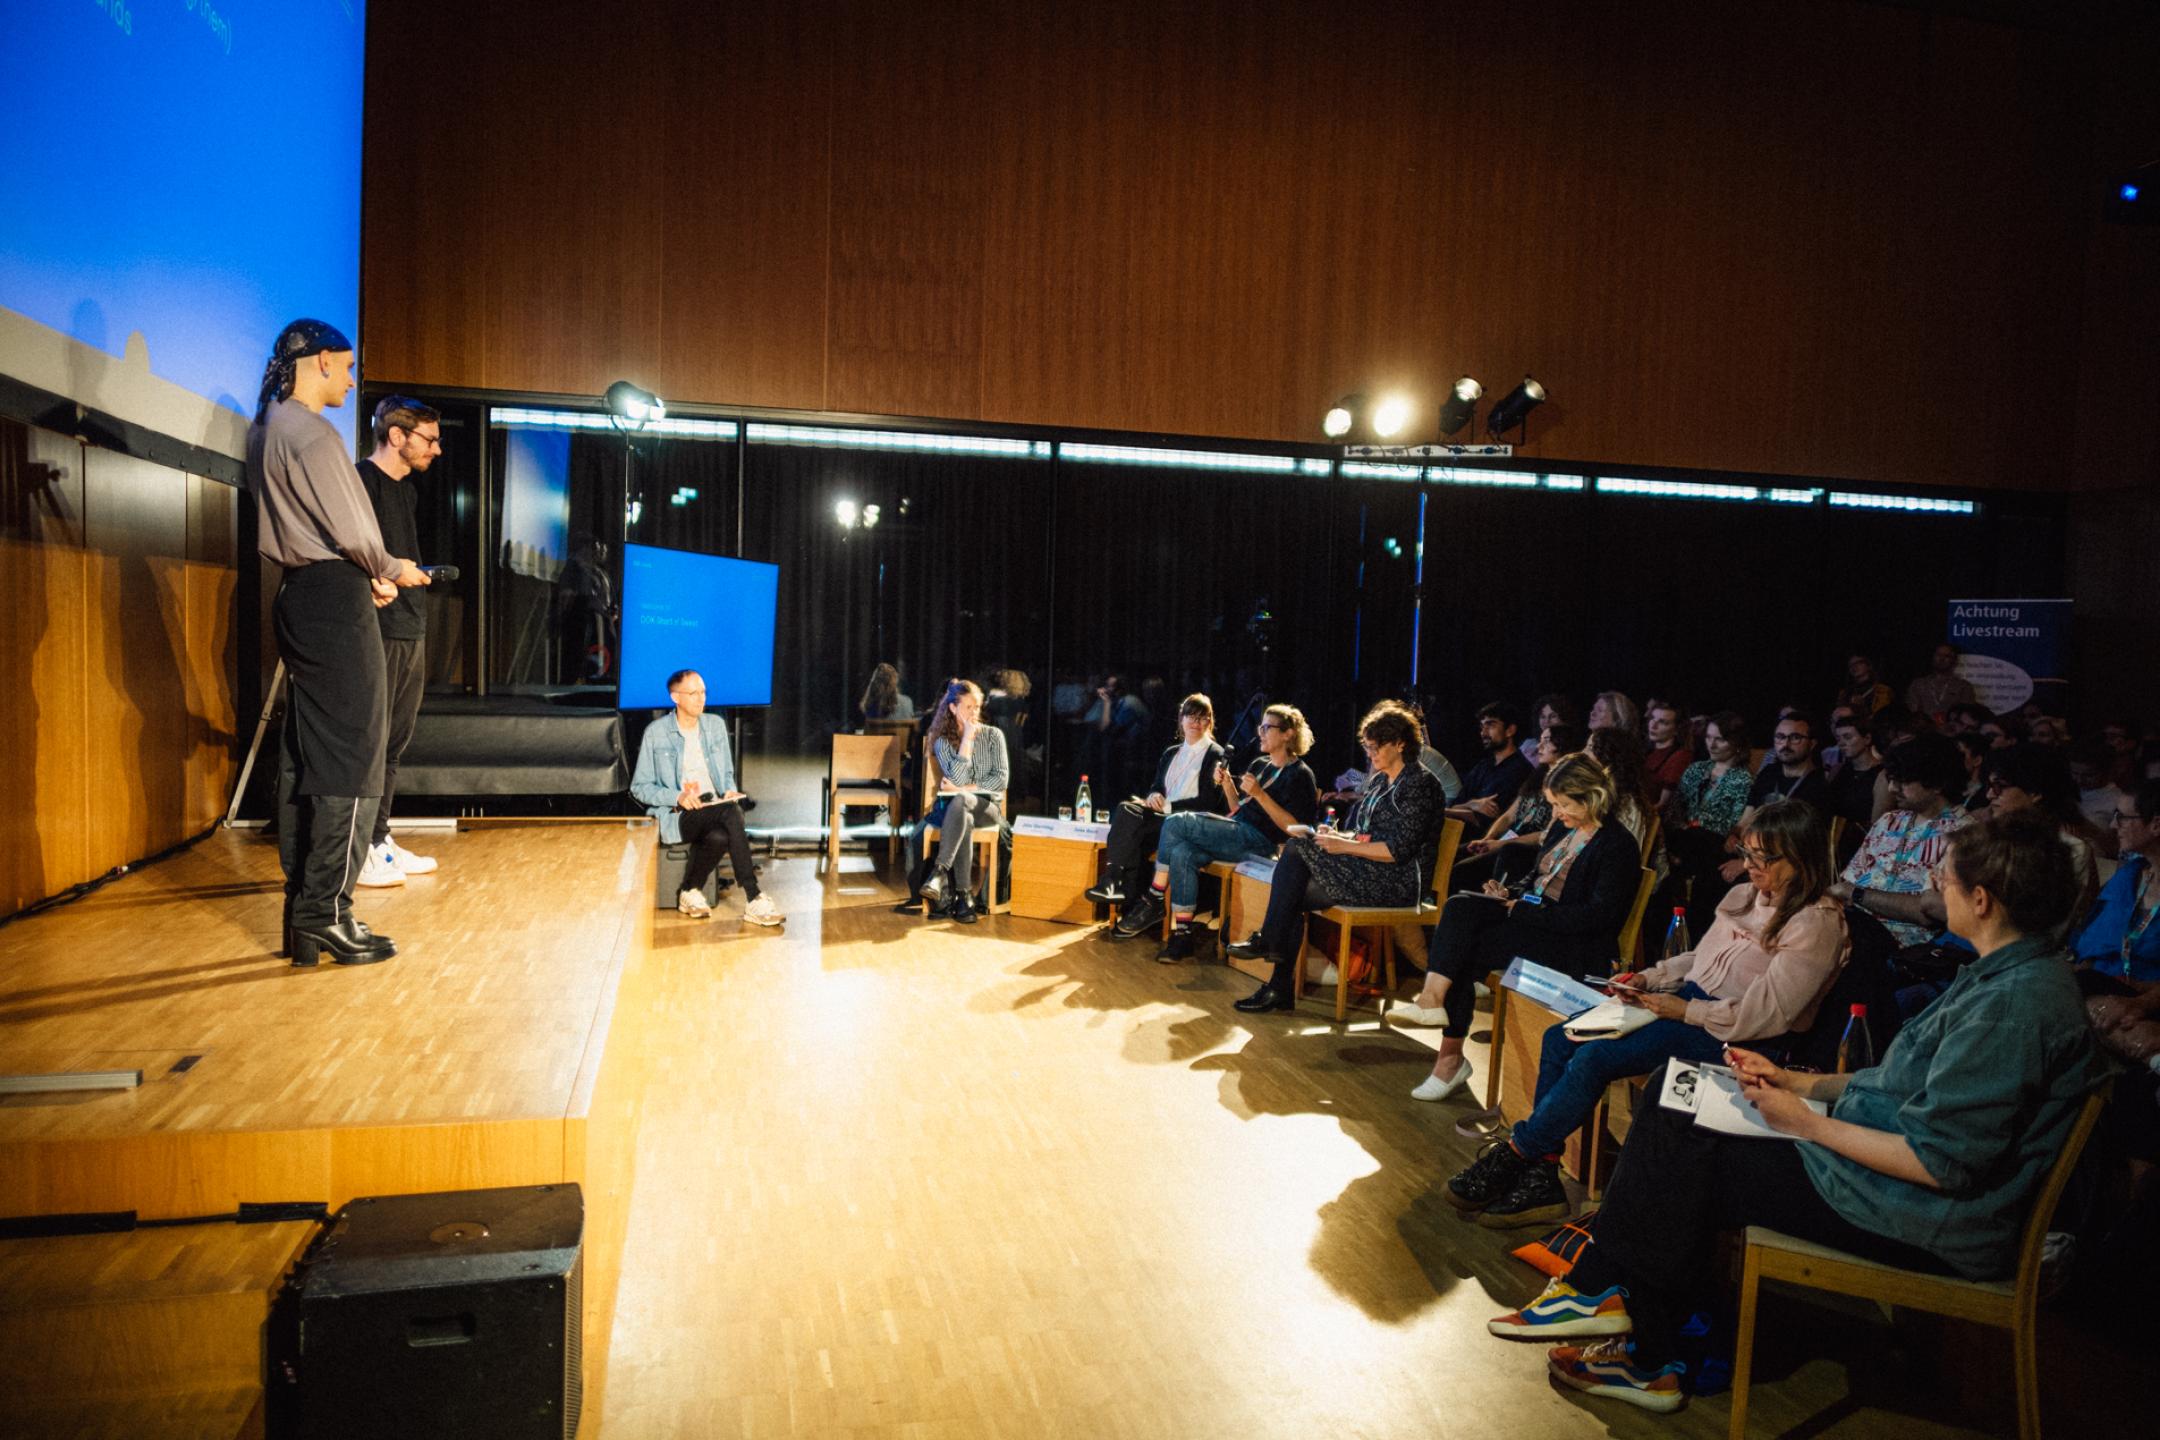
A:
{"points": [[1582, 779], [1293, 721]]}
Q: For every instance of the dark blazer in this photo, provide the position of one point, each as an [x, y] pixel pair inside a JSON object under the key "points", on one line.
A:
{"points": [[1208, 796], [1583, 923]]}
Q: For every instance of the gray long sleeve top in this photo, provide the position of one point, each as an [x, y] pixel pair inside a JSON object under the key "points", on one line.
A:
{"points": [[308, 492], [985, 767]]}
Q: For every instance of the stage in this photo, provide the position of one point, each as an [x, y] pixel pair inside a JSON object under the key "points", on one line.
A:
{"points": [[892, 1177], [500, 1047]]}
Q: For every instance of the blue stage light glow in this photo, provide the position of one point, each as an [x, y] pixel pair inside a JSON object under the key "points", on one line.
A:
{"points": [[2130, 192]]}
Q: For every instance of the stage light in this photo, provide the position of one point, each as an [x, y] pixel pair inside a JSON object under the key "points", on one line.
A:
{"points": [[627, 403], [1514, 407], [2129, 193], [869, 517], [1342, 416], [1391, 416], [1461, 406], [845, 512]]}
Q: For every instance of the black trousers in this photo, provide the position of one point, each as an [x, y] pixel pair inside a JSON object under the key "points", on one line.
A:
{"points": [[1676, 1188], [330, 753], [1476, 935], [712, 831], [1134, 830], [1291, 895], [405, 671]]}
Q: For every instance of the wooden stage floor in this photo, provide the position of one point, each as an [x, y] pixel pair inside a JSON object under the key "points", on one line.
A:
{"points": [[897, 1178]]}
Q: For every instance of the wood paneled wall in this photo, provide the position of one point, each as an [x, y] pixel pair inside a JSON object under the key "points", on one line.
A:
{"points": [[1830, 238], [118, 586]]}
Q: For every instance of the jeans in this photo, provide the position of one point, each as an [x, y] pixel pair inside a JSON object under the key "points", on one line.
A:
{"points": [[1572, 1075], [1194, 839]]}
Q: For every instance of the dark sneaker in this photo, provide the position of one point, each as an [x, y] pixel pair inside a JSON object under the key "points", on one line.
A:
{"points": [[1141, 916], [1106, 893], [1535, 1199], [1247, 948], [1487, 1178], [1184, 944]]}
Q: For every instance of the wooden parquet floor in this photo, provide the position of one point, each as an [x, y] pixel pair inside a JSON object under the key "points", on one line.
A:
{"points": [[909, 1179]]}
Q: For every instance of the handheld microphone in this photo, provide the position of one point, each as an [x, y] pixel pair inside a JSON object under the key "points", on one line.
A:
{"points": [[437, 574]]}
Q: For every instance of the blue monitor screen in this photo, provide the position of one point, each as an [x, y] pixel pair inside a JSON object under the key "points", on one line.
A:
{"points": [[706, 613], [178, 179]]}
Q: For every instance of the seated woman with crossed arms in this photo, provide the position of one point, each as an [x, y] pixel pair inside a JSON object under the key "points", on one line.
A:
{"points": [[1928, 1161], [1376, 858], [1279, 791], [1771, 955], [1568, 919]]}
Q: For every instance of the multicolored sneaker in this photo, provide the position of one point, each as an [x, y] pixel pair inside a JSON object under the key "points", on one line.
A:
{"points": [[1607, 1369], [1564, 1310]]}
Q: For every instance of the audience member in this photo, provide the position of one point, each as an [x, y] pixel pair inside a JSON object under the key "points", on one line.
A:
{"points": [[882, 698], [1792, 775], [2035, 777], [1712, 795], [2120, 941], [1499, 772], [1568, 918], [1276, 792], [1862, 690], [2004, 730], [2092, 766], [1960, 718], [1928, 1161], [1852, 785], [1942, 687], [1521, 827], [2121, 735], [1757, 977], [1670, 753], [1186, 778], [1974, 749], [1373, 858], [973, 773], [1615, 709], [1550, 710], [1110, 733], [1621, 753], [1893, 874]]}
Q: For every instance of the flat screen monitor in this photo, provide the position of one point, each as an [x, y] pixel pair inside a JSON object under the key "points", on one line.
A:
{"points": [[707, 613], [177, 181]]}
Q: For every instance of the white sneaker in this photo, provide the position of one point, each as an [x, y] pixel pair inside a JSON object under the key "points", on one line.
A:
{"points": [[408, 862], [1409, 1012], [692, 903], [762, 911], [381, 870], [1327, 976], [1434, 1088]]}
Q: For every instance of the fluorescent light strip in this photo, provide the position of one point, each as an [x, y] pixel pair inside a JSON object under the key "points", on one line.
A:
{"points": [[1373, 470], [838, 437], [1912, 504], [1182, 459], [1315, 467], [1792, 497], [585, 420], [1507, 479], [1563, 482], [1675, 489]]}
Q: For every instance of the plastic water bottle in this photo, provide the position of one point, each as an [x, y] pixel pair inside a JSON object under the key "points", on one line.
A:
{"points": [[1855, 1048], [1084, 802], [1677, 939]]}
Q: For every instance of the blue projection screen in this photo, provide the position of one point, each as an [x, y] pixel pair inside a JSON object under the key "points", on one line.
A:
{"points": [[178, 179], [696, 612]]}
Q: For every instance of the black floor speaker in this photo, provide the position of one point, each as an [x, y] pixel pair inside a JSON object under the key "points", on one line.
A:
{"points": [[455, 1314]]}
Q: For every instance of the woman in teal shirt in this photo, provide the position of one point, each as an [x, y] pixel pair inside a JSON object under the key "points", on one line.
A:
{"points": [[1926, 1161]]}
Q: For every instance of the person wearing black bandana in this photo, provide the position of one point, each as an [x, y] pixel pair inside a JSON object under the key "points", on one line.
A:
{"points": [[314, 521]]}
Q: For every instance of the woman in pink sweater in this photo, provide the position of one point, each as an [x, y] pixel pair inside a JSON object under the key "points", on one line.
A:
{"points": [[1771, 954]]}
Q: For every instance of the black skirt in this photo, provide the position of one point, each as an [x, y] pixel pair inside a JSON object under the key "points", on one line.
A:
{"points": [[337, 714]]}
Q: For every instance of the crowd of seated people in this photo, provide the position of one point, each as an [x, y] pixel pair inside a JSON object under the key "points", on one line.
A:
{"points": [[2022, 930]]}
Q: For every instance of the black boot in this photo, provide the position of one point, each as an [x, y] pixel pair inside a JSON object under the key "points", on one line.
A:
{"points": [[1248, 948], [348, 943], [1266, 998], [962, 910], [1487, 1178], [1536, 1198], [934, 886], [1184, 944], [1142, 915]]}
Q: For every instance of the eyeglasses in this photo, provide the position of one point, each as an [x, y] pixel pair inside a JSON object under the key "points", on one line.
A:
{"points": [[1784, 735], [2125, 818], [688, 690], [1756, 859], [1270, 725], [434, 440]]}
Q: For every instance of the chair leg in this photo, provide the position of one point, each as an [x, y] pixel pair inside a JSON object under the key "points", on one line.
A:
{"points": [[892, 831], [833, 815], [1342, 973], [1499, 1044], [1387, 961], [1744, 1342], [2025, 1359]]}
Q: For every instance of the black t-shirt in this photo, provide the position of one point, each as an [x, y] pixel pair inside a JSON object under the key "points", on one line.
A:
{"points": [[397, 505], [1811, 787], [1291, 787], [1497, 778]]}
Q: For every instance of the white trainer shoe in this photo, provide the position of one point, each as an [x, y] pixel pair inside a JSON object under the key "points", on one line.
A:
{"points": [[381, 870], [1434, 1088], [692, 903], [762, 911], [408, 862]]}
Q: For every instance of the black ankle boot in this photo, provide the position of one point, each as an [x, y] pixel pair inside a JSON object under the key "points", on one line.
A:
{"points": [[962, 910], [1184, 944], [348, 943], [1265, 999]]}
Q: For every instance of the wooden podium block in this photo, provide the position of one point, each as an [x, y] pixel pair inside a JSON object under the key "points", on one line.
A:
{"points": [[1053, 864]]}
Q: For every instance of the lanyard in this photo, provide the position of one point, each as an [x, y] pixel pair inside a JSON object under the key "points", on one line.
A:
{"points": [[2142, 910]]}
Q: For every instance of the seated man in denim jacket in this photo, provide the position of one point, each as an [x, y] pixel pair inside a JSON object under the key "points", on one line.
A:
{"points": [[686, 780]]}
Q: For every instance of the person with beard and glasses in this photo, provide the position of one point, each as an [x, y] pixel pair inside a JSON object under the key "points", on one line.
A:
{"points": [[315, 523], [1499, 772], [408, 437]]}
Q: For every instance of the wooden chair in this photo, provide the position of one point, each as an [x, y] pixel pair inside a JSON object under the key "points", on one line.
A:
{"points": [[985, 838], [1384, 918], [863, 770], [1650, 835], [1631, 932], [2005, 1304]]}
